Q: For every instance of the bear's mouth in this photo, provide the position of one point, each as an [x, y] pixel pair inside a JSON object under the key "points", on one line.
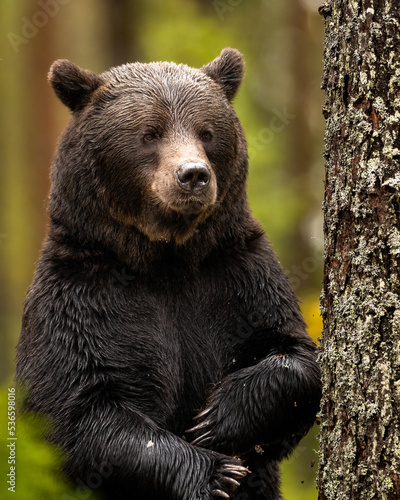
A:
{"points": [[189, 207]]}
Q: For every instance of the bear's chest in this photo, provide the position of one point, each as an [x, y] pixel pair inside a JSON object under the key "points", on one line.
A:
{"points": [[174, 335], [171, 341]]}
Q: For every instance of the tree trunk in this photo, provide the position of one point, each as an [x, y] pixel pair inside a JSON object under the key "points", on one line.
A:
{"points": [[123, 22], [300, 145], [360, 349]]}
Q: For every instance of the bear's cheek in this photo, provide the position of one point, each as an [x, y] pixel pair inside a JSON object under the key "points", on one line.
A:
{"points": [[126, 190]]}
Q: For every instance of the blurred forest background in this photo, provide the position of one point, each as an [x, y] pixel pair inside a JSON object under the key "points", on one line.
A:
{"points": [[279, 105]]}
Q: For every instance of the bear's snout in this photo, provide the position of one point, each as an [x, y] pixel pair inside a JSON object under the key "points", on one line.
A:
{"points": [[193, 177], [185, 181]]}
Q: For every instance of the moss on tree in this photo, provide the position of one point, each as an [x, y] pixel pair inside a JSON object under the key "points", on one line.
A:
{"points": [[360, 348]]}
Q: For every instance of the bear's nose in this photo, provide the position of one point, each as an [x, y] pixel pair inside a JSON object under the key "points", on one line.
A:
{"points": [[193, 176]]}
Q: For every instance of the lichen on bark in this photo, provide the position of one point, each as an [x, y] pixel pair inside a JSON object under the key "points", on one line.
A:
{"points": [[360, 302]]}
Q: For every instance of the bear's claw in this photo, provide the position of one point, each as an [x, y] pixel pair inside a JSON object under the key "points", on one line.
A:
{"points": [[219, 493], [226, 478], [202, 414], [202, 439], [204, 431]]}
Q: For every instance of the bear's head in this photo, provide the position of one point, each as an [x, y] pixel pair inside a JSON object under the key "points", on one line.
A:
{"points": [[152, 147]]}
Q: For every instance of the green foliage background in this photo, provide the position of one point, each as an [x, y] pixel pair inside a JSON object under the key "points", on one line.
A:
{"points": [[37, 464], [279, 105]]}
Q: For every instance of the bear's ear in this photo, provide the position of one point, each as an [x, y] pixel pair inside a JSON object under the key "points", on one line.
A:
{"points": [[227, 70], [73, 86]]}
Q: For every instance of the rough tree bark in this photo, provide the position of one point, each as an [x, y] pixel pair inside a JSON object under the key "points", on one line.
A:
{"points": [[360, 349]]}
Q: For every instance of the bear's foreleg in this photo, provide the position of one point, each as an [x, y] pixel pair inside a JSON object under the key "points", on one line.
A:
{"points": [[271, 404], [134, 450]]}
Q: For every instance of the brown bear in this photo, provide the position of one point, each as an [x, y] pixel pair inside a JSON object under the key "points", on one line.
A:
{"points": [[160, 333]]}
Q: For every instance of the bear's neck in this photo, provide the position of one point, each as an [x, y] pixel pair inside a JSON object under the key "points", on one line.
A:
{"points": [[128, 247]]}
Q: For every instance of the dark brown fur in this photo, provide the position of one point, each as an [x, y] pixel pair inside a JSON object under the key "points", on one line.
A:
{"points": [[156, 297]]}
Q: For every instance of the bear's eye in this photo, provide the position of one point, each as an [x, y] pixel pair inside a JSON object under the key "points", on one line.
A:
{"points": [[206, 135], [151, 136]]}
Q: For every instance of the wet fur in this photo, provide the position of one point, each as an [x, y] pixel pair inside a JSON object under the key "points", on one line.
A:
{"points": [[143, 321]]}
